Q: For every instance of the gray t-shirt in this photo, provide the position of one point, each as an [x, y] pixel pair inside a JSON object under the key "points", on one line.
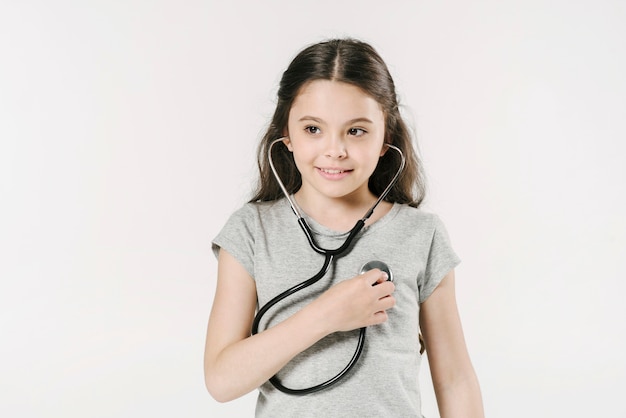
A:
{"points": [[269, 243]]}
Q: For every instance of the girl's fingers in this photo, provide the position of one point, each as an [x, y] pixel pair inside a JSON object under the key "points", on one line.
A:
{"points": [[383, 290], [375, 276], [386, 302]]}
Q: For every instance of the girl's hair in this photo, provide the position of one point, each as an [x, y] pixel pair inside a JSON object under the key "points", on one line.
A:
{"points": [[357, 63]]}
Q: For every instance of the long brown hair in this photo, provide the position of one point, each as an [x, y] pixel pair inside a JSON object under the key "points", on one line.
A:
{"points": [[357, 63]]}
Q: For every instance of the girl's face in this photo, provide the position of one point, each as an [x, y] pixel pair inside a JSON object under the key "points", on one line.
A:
{"points": [[336, 134]]}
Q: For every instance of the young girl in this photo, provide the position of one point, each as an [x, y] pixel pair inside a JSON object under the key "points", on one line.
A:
{"points": [[337, 112]]}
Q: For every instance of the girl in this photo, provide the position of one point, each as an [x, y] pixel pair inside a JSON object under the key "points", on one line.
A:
{"points": [[337, 110]]}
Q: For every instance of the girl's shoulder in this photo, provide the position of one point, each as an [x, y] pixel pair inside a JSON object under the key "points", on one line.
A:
{"points": [[247, 223], [418, 216], [258, 211]]}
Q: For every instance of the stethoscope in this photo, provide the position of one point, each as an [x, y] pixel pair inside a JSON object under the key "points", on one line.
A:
{"points": [[329, 256]]}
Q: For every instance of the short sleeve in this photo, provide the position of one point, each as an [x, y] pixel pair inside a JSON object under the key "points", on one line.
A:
{"points": [[441, 259], [237, 237]]}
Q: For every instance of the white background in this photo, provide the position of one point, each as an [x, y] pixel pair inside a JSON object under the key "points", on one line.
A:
{"points": [[127, 136]]}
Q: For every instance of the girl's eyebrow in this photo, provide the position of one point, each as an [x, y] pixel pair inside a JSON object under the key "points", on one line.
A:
{"points": [[350, 122], [363, 119], [313, 118]]}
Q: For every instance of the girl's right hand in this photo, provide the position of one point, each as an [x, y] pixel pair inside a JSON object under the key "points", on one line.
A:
{"points": [[357, 302]]}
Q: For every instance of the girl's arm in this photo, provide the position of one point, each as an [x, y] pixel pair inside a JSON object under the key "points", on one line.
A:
{"points": [[236, 363], [454, 380]]}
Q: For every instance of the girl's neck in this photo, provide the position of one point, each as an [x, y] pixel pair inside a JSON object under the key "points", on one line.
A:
{"points": [[340, 214]]}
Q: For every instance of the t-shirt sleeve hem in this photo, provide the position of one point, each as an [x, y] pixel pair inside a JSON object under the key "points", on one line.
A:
{"points": [[437, 278], [234, 250]]}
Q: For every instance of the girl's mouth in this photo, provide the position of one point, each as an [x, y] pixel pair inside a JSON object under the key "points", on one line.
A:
{"points": [[333, 173]]}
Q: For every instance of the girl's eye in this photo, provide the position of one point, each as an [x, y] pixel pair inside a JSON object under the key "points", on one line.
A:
{"points": [[312, 129], [357, 131]]}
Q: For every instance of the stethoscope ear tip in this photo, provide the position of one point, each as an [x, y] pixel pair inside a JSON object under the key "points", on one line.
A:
{"points": [[375, 264]]}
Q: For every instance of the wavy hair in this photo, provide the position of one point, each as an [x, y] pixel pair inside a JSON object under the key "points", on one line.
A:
{"points": [[357, 63]]}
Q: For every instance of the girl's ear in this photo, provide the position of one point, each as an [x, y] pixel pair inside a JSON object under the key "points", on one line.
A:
{"points": [[287, 142], [384, 149]]}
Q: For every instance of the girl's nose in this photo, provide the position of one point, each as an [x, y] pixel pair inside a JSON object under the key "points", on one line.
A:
{"points": [[335, 147]]}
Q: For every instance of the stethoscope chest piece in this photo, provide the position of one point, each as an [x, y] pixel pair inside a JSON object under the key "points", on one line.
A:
{"points": [[375, 264]]}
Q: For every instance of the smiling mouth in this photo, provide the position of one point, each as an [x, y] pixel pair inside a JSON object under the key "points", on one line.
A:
{"points": [[332, 171]]}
